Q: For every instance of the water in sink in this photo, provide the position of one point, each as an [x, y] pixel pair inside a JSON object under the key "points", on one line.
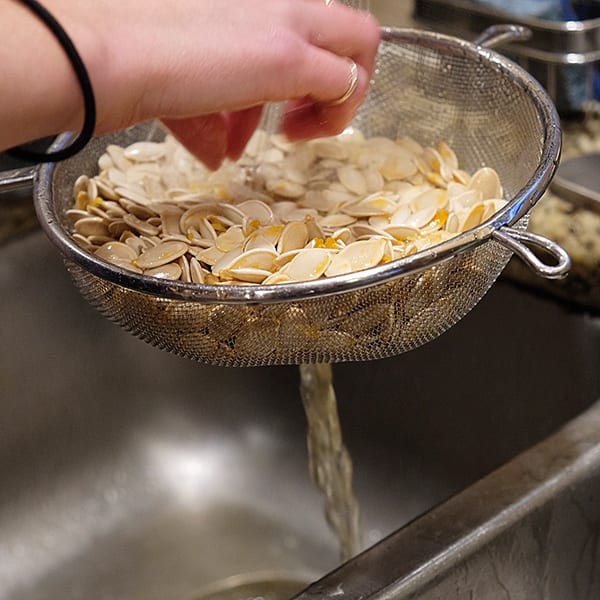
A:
{"points": [[330, 464], [261, 586]]}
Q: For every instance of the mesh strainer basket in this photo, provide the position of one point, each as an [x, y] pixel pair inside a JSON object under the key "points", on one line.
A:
{"points": [[427, 86]]}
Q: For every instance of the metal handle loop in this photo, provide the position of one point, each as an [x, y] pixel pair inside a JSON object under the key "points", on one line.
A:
{"points": [[17, 179], [499, 35], [515, 241]]}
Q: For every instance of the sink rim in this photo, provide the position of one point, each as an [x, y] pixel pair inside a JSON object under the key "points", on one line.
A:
{"points": [[431, 546]]}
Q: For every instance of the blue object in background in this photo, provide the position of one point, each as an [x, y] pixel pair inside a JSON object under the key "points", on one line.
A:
{"points": [[573, 92], [582, 9], [542, 9], [552, 10], [575, 10]]}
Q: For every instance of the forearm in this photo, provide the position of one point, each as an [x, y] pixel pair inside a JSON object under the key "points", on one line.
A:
{"points": [[40, 92]]}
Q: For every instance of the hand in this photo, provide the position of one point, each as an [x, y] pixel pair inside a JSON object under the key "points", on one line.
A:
{"points": [[206, 67], [269, 51]]}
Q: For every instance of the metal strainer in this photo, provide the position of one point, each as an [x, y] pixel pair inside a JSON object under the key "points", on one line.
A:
{"points": [[427, 86]]}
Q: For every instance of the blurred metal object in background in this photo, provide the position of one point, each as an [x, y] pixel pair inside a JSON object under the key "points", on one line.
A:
{"points": [[563, 55]]}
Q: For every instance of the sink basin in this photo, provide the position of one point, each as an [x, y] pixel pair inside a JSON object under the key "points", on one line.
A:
{"points": [[130, 473]]}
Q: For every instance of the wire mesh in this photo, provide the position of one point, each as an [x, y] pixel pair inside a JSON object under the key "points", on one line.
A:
{"points": [[427, 86]]}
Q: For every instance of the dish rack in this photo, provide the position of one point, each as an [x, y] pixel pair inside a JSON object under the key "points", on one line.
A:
{"points": [[564, 56]]}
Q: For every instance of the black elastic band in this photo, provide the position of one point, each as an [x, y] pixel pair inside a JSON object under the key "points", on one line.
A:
{"points": [[89, 123]]}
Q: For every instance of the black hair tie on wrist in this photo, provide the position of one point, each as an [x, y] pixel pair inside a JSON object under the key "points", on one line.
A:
{"points": [[89, 123]]}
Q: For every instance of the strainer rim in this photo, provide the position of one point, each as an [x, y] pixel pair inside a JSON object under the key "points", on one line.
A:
{"points": [[516, 208]]}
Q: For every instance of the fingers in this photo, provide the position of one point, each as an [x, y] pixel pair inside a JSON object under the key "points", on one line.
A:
{"points": [[305, 119], [352, 85], [318, 66], [212, 138], [324, 76], [300, 48], [318, 58], [345, 32], [205, 137], [240, 127], [341, 39]]}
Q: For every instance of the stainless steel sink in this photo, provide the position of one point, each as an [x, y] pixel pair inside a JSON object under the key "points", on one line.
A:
{"points": [[129, 473], [529, 530]]}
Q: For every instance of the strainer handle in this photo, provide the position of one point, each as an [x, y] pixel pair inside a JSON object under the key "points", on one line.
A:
{"points": [[517, 242], [17, 179], [499, 35]]}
